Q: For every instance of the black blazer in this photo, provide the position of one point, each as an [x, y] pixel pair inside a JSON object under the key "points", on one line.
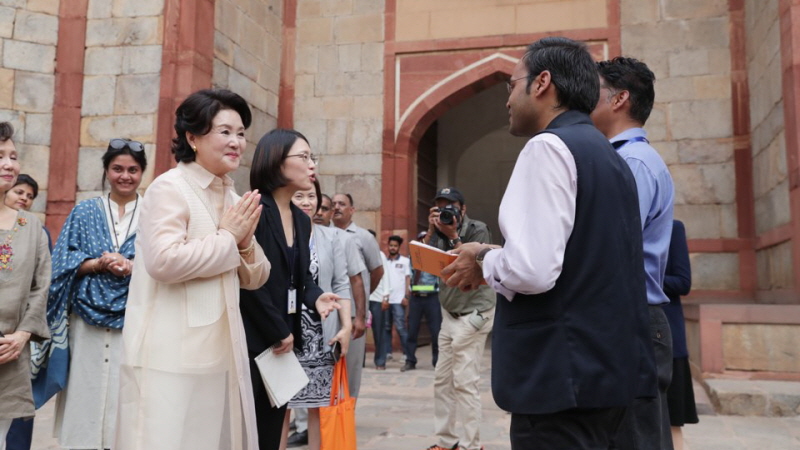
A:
{"points": [[677, 282], [265, 310]]}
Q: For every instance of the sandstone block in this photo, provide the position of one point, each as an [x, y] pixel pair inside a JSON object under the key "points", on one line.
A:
{"points": [[712, 86], [35, 161], [270, 79], [227, 17], [43, 6], [352, 83], [372, 57], [13, 3], [38, 128], [103, 61], [668, 151], [413, 26], [359, 28], [137, 94], [765, 131], [368, 107], [98, 95], [336, 107], [657, 124], [729, 221], [90, 168], [337, 132], [349, 57], [16, 118], [7, 16], [365, 136], [123, 31], [689, 62], [699, 184], [252, 37], [97, 131], [702, 221], [28, 56], [638, 11], [307, 108], [303, 86], [369, 6], [223, 48], [327, 183], [220, 74], [773, 208], [136, 8], [774, 267], [316, 132], [272, 103], [34, 92], [688, 9], [328, 59], [272, 52], [544, 16], [307, 59], [36, 27], [337, 8], [761, 347], [6, 88], [699, 119], [141, 59], [314, 31], [240, 84], [365, 190], [353, 164], [245, 62], [369, 220], [769, 167], [308, 9], [259, 11], [260, 97], [672, 89], [241, 179], [715, 271], [705, 151], [709, 33], [99, 9]]}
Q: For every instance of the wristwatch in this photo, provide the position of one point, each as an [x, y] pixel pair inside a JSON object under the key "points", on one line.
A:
{"points": [[454, 242], [481, 255]]}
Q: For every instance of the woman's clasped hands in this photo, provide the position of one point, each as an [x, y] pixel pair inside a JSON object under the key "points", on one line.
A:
{"points": [[241, 219]]}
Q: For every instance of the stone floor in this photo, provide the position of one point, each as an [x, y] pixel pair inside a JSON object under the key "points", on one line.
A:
{"points": [[395, 412]]}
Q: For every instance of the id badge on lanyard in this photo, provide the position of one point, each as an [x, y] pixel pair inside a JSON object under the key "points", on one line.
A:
{"points": [[291, 305]]}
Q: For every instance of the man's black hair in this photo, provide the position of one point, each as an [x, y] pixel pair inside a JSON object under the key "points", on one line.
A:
{"points": [[632, 75], [396, 238], [571, 68]]}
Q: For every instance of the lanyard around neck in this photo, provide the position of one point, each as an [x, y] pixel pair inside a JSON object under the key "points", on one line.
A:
{"points": [[619, 144], [114, 228]]}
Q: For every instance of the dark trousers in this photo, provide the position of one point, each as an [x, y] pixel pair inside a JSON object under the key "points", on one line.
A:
{"points": [[379, 318], [573, 429], [269, 420], [646, 423], [429, 307], [20, 435]]}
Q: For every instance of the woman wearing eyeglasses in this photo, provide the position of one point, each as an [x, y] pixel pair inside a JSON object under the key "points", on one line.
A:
{"points": [[92, 264], [282, 165]]}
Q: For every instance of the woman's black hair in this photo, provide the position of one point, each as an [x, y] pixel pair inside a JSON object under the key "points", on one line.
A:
{"points": [[196, 114], [272, 148], [112, 153], [318, 191], [6, 131], [24, 178]]}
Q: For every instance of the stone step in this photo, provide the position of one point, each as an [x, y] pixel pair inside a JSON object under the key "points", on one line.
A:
{"points": [[765, 398]]}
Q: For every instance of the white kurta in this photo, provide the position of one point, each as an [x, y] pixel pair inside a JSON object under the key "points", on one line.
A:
{"points": [[184, 378]]}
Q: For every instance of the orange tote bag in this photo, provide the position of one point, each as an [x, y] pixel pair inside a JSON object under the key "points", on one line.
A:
{"points": [[337, 422]]}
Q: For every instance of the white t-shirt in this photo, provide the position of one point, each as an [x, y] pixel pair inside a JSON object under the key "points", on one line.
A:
{"points": [[401, 270]]}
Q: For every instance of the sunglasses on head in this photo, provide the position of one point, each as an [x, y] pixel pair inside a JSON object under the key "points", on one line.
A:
{"points": [[119, 144]]}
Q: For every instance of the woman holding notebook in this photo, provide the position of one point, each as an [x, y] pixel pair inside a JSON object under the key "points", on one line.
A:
{"points": [[282, 165]]}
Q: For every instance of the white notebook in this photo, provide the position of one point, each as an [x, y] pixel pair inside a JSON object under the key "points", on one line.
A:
{"points": [[282, 375]]}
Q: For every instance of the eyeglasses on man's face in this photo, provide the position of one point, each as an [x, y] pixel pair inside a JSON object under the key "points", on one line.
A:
{"points": [[512, 82], [306, 157]]}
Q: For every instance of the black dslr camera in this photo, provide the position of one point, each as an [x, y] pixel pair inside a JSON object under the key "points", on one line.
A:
{"points": [[449, 215]]}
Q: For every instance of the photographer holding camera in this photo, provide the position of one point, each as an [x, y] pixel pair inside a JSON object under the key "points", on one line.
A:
{"points": [[467, 319]]}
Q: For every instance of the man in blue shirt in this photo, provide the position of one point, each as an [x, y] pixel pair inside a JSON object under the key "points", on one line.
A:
{"points": [[626, 99]]}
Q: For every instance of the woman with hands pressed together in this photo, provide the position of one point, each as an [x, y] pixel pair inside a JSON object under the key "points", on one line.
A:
{"points": [[282, 165], [184, 377], [24, 278], [92, 263]]}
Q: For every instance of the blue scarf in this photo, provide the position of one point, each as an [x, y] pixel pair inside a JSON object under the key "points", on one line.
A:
{"points": [[100, 298]]}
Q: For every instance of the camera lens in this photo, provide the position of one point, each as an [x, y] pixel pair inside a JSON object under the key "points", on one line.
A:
{"points": [[446, 217]]}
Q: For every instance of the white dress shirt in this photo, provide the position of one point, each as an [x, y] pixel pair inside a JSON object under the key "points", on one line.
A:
{"points": [[536, 218]]}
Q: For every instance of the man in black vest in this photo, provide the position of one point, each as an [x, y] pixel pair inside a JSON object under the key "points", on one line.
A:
{"points": [[568, 350]]}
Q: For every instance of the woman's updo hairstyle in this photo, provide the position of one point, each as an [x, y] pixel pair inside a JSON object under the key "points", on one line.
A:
{"points": [[196, 114]]}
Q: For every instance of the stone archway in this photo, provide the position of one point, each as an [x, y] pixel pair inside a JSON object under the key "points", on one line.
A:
{"points": [[465, 80]]}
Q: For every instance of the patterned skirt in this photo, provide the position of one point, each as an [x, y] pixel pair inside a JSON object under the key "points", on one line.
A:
{"points": [[317, 363]]}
